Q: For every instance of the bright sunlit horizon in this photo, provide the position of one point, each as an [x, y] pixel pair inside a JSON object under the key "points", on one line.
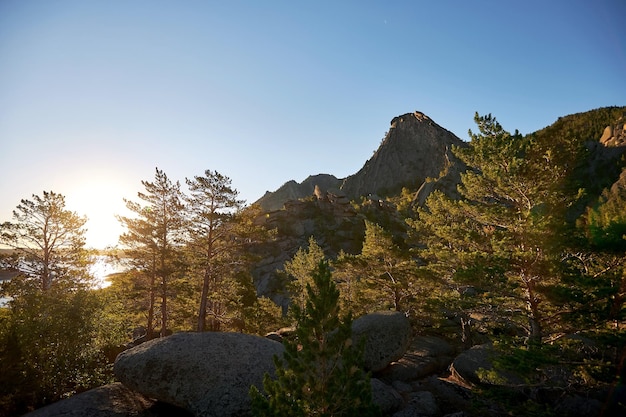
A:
{"points": [[95, 95]]}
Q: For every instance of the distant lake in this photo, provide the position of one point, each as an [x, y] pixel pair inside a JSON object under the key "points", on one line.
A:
{"points": [[100, 269]]}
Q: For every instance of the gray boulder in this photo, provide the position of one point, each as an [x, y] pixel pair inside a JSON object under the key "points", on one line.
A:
{"points": [[208, 373], [421, 404], [425, 356], [577, 406], [387, 335], [385, 397], [475, 366], [114, 400]]}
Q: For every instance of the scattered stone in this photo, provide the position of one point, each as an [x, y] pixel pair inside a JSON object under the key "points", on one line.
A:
{"points": [[208, 373], [387, 335]]}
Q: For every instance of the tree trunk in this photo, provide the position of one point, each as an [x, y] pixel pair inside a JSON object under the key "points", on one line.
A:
{"points": [[534, 315], [152, 301], [164, 307], [203, 301]]}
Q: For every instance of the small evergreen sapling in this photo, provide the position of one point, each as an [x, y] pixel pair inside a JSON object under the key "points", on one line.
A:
{"points": [[321, 373]]}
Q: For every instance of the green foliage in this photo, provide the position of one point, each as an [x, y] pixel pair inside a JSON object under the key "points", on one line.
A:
{"points": [[54, 344], [501, 235], [321, 374], [381, 277], [300, 268], [263, 316], [153, 242], [48, 242]]}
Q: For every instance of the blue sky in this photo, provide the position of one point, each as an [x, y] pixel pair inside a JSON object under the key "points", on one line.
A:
{"points": [[95, 94]]}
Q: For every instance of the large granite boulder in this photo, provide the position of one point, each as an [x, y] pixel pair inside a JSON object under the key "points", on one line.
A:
{"points": [[208, 373], [113, 400], [387, 335], [425, 356]]}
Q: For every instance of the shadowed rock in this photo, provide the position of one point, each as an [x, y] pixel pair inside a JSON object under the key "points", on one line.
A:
{"points": [[387, 335], [208, 374]]}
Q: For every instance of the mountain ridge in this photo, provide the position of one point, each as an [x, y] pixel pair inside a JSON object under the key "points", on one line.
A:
{"points": [[414, 149]]}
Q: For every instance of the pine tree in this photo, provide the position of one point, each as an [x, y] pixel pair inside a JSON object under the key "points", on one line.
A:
{"points": [[321, 373], [212, 204], [300, 268], [153, 240], [500, 236]]}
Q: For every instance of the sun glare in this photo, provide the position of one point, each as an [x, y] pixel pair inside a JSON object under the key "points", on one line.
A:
{"points": [[99, 200]]}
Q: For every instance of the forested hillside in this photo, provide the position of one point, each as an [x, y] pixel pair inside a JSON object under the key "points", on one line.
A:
{"points": [[511, 241]]}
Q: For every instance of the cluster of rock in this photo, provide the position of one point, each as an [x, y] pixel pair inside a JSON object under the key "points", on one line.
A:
{"points": [[326, 215], [209, 374]]}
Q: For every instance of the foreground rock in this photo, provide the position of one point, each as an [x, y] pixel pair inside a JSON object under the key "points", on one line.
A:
{"points": [[387, 335], [208, 374], [114, 400]]}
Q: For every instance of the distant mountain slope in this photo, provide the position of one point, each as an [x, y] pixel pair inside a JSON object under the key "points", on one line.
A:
{"points": [[293, 190], [414, 149]]}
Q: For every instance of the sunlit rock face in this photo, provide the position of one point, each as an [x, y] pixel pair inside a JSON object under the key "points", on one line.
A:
{"points": [[414, 149]]}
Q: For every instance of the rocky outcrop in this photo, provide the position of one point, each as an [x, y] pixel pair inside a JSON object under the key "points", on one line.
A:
{"points": [[114, 400], [208, 374], [387, 335], [414, 149], [614, 135], [328, 217], [293, 190]]}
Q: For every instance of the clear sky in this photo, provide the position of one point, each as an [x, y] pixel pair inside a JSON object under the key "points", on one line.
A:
{"points": [[95, 94]]}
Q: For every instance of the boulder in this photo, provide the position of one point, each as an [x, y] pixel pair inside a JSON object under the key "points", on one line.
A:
{"points": [[421, 404], [475, 366], [425, 356], [577, 406], [208, 373], [113, 400], [385, 397], [387, 335]]}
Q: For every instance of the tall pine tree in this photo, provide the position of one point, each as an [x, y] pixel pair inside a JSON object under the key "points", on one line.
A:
{"points": [[500, 235]]}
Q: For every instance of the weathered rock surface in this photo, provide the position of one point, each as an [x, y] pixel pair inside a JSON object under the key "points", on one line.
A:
{"points": [[473, 365], [208, 374], [114, 400], [425, 356], [414, 149], [420, 404], [385, 397], [293, 190], [387, 335]]}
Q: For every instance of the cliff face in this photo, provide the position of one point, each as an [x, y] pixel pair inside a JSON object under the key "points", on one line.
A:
{"points": [[414, 149]]}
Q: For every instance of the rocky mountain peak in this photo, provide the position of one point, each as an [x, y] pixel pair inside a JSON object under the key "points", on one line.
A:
{"points": [[414, 149]]}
